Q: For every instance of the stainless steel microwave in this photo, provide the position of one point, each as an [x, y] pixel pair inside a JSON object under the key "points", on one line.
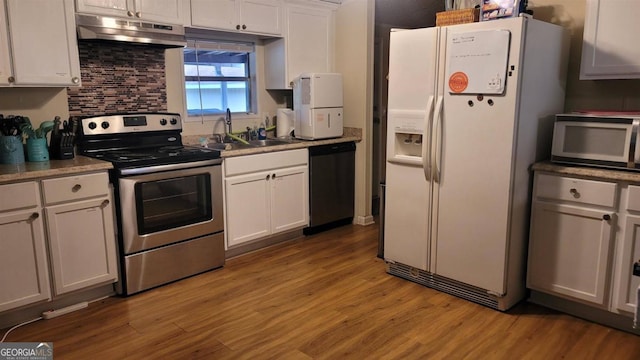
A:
{"points": [[605, 141]]}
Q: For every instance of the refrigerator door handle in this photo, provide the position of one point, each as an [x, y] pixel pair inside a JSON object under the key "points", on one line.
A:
{"points": [[426, 164], [436, 149]]}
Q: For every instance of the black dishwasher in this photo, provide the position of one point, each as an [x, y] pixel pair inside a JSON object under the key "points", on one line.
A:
{"points": [[331, 186]]}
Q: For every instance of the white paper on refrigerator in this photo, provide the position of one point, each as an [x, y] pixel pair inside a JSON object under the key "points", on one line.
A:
{"points": [[477, 62]]}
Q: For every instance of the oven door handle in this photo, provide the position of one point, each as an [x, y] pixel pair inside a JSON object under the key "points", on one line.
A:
{"points": [[168, 167]]}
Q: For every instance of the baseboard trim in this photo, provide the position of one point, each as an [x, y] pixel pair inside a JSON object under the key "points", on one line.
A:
{"points": [[262, 243], [28, 312], [364, 220], [586, 312]]}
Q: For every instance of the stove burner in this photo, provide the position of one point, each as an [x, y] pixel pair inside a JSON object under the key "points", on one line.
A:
{"points": [[171, 148], [156, 156], [128, 143], [127, 155]]}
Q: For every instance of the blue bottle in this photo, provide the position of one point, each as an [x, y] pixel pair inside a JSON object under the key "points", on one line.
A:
{"points": [[262, 132]]}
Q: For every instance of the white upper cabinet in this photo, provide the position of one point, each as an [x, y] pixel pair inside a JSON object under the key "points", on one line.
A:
{"points": [[104, 7], [165, 11], [609, 49], [219, 14], [5, 56], [39, 58], [247, 16], [307, 46]]}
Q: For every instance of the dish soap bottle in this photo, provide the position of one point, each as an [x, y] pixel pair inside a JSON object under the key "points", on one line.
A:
{"points": [[262, 131]]}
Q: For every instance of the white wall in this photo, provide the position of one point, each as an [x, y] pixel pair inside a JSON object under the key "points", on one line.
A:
{"points": [[38, 104], [354, 59]]}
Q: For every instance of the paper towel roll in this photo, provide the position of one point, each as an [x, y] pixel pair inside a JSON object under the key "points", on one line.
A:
{"points": [[284, 122]]}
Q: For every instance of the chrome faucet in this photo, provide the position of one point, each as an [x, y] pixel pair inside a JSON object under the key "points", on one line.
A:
{"points": [[217, 138]]}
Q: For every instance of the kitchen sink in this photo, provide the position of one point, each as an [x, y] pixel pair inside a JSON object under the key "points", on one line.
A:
{"points": [[236, 145], [268, 142], [228, 146]]}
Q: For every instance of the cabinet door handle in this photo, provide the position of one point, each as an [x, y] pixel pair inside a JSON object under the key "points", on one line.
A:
{"points": [[34, 216], [138, 14], [268, 176], [11, 79], [574, 192], [76, 188], [75, 80], [273, 176], [238, 27], [606, 217], [244, 27], [129, 13], [105, 203]]}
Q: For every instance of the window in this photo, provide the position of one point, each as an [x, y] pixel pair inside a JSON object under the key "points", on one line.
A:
{"points": [[218, 76]]}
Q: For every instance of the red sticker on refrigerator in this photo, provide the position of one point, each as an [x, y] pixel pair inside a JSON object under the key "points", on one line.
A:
{"points": [[458, 82]]}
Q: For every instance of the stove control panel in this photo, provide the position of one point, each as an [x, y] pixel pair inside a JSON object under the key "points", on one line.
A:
{"points": [[131, 123]]}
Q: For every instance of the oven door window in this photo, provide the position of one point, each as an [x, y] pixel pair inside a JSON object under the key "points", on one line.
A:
{"points": [[170, 203]]}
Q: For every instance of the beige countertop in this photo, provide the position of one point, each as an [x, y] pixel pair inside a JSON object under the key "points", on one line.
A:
{"points": [[588, 172], [36, 170], [350, 134], [81, 164]]}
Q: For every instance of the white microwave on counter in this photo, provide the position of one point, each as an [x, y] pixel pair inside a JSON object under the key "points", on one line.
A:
{"points": [[610, 141]]}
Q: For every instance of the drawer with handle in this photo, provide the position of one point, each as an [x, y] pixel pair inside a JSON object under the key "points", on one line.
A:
{"points": [[75, 187], [552, 187], [19, 196]]}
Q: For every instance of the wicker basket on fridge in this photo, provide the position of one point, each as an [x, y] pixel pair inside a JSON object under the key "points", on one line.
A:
{"points": [[453, 17]]}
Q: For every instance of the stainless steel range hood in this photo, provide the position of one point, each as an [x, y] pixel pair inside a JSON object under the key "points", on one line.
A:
{"points": [[93, 27]]}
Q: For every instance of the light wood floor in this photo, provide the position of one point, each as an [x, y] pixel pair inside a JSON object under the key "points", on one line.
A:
{"points": [[323, 297]]}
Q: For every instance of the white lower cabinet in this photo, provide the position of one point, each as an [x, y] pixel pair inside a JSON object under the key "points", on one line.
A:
{"points": [[626, 284], [584, 240], [572, 237], [79, 249], [82, 244], [248, 208], [265, 194], [570, 251], [80, 230], [24, 275], [289, 198]]}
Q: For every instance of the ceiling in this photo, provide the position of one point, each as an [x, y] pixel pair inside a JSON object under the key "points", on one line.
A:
{"points": [[408, 13]]}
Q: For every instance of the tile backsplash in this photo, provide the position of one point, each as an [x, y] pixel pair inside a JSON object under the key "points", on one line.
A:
{"points": [[117, 78]]}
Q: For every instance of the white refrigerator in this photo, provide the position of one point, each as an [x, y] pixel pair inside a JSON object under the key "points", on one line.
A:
{"points": [[470, 109]]}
